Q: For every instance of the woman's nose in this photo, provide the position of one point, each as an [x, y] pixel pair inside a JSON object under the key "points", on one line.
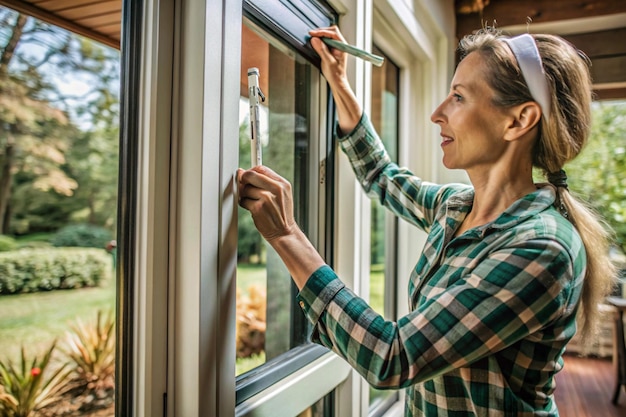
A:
{"points": [[438, 115]]}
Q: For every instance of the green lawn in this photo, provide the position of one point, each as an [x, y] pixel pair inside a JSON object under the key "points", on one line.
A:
{"points": [[377, 288], [35, 320], [251, 274]]}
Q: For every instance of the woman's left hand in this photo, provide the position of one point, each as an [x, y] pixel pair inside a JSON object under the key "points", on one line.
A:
{"points": [[268, 198]]}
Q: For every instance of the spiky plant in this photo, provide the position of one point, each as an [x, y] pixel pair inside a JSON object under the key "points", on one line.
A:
{"points": [[91, 348], [32, 386]]}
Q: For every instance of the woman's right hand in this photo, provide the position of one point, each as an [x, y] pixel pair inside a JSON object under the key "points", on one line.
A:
{"points": [[334, 69], [333, 60]]}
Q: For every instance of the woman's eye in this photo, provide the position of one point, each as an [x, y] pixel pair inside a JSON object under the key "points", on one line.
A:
{"points": [[457, 97]]}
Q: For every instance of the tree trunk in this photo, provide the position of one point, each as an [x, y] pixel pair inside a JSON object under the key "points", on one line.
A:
{"points": [[14, 40], [6, 182], [7, 161]]}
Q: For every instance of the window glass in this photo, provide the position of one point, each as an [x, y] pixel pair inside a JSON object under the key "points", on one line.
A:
{"points": [[384, 117], [59, 144], [320, 408], [268, 322]]}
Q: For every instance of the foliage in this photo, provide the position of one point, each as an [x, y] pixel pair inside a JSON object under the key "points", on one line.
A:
{"points": [[250, 242], [58, 148], [91, 349], [82, 235], [377, 249], [31, 386], [251, 326], [34, 210], [93, 162], [31, 270], [598, 175], [7, 243], [34, 241]]}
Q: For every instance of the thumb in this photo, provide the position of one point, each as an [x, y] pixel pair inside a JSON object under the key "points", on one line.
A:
{"points": [[322, 50]]}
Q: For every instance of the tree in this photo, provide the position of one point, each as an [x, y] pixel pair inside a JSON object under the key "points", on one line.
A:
{"points": [[598, 175], [40, 114]]}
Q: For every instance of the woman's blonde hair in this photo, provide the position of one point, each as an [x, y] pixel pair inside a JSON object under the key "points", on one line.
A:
{"points": [[561, 138]]}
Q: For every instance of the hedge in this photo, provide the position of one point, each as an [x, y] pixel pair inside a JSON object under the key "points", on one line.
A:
{"points": [[31, 270], [7, 243]]}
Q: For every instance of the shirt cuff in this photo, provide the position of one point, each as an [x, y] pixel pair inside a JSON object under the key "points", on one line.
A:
{"points": [[364, 120], [319, 290]]}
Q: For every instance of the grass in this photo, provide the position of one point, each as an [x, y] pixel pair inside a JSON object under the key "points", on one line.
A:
{"points": [[377, 288], [35, 237], [251, 274], [35, 320], [245, 364]]}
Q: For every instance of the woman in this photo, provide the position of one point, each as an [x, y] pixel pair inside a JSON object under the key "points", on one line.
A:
{"points": [[508, 263]]}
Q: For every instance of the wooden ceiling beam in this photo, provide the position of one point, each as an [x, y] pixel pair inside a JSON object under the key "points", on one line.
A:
{"points": [[516, 12], [46, 16], [607, 51], [608, 70], [610, 94], [605, 43]]}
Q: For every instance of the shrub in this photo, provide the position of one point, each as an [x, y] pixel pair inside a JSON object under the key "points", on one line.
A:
{"points": [[82, 235], [251, 322], [31, 386], [31, 270], [34, 240], [91, 350], [7, 243]]}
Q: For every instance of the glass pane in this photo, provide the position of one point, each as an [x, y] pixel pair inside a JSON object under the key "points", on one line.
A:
{"points": [[322, 408], [266, 324], [384, 116], [59, 137]]}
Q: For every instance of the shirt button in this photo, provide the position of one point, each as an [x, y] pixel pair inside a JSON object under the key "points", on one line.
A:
{"points": [[302, 305]]}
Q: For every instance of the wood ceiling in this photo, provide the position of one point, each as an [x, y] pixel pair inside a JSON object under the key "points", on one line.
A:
{"points": [[597, 27], [96, 19]]}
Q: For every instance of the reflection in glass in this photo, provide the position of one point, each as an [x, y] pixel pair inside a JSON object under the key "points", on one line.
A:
{"points": [[266, 324]]}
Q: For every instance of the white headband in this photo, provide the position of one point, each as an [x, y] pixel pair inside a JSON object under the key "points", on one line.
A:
{"points": [[525, 50]]}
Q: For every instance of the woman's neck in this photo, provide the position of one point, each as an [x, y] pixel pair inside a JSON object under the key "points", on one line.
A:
{"points": [[494, 192]]}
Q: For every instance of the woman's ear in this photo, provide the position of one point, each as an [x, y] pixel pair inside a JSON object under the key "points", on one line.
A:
{"points": [[524, 118]]}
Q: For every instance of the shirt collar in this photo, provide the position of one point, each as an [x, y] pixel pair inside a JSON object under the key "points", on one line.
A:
{"points": [[528, 206]]}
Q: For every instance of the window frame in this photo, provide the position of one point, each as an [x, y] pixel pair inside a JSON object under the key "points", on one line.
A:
{"points": [[297, 17], [391, 237], [127, 205]]}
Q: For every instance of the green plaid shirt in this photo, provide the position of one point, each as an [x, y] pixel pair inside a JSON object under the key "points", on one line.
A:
{"points": [[491, 310]]}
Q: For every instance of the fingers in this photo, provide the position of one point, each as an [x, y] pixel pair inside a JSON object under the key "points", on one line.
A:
{"points": [[328, 32], [320, 47], [258, 183], [268, 198], [261, 177]]}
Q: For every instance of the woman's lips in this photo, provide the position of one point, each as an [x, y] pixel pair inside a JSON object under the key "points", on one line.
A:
{"points": [[445, 140]]}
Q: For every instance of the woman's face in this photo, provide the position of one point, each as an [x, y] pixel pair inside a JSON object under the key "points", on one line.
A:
{"points": [[472, 127]]}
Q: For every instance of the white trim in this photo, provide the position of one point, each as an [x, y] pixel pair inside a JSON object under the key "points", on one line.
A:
{"points": [[396, 410], [295, 393], [202, 300], [571, 26], [608, 86]]}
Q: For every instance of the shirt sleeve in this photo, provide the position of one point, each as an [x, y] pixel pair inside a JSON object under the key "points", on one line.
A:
{"points": [[397, 188], [511, 294]]}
